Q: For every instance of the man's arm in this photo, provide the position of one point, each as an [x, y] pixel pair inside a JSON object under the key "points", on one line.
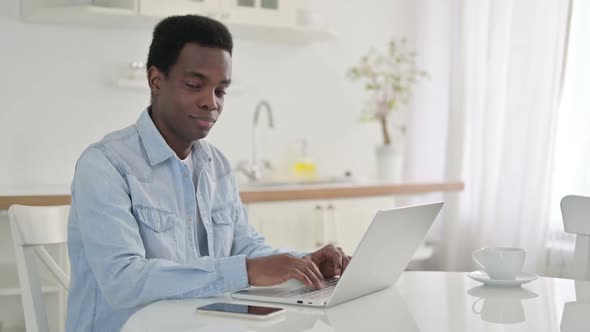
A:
{"points": [[115, 251], [267, 266]]}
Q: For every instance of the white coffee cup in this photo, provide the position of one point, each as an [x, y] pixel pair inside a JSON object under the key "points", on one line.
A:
{"points": [[500, 263]]}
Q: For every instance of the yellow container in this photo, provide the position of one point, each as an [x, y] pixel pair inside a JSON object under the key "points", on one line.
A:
{"points": [[305, 171]]}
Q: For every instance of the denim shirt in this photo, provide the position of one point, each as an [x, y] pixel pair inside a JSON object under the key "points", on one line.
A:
{"points": [[132, 229]]}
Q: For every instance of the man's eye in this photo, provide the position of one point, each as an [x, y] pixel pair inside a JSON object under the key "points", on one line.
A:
{"points": [[220, 93], [193, 86]]}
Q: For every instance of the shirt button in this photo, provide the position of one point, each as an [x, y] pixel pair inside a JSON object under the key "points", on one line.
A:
{"points": [[185, 175], [189, 219]]}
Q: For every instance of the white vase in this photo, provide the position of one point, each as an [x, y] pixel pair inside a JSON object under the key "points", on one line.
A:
{"points": [[389, 163]]}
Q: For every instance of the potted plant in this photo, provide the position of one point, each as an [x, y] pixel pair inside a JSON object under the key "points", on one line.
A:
{"points": [[389, 79]]}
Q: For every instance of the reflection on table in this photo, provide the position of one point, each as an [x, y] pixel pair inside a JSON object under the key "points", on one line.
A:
{"points": [[420, 301]]}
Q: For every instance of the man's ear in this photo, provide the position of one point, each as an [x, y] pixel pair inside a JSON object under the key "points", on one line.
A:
{"points": [[155, 78]]}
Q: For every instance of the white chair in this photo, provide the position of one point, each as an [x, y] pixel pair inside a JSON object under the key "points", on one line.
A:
{"points": [[575, 211], [32, 227]]}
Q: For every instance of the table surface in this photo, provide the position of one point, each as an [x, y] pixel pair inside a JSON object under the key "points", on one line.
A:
{"points": [[419, 301]]}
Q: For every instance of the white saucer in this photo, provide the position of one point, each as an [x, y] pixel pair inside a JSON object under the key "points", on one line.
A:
{"points": [[521, 278]]}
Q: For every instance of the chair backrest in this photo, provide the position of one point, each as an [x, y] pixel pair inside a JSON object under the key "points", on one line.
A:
{"points": [[32, 227], [575, 211]]}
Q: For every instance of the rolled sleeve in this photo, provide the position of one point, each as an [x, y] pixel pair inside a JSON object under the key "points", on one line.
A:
{"points": [[234, 273]]}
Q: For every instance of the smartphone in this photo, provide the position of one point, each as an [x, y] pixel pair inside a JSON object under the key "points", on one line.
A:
{"points": [[241, 310]]}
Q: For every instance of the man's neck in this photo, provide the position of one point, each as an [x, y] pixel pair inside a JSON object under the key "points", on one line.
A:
{"points": [[180, 147]]}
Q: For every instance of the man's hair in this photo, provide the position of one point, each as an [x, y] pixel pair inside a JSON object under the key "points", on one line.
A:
{"points": [[172, 33]]}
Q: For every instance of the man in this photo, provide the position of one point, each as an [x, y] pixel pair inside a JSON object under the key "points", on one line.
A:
{"points": [[156, 213]]}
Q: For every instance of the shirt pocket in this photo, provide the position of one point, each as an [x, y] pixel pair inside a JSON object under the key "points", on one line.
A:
{"points": [[158, 231], [223, 230]]}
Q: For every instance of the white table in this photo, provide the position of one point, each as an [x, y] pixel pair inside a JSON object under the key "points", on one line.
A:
{"points": [[420, 301]]}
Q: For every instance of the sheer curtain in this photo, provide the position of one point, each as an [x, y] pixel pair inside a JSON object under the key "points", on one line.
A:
{"points": [[572, 160], [506, 85]]}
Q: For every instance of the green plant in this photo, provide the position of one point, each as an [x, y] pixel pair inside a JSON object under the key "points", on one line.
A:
{"points": [[389, 79]]}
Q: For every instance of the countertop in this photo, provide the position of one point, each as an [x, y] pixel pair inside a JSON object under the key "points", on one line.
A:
{"points": [[60, 194]]}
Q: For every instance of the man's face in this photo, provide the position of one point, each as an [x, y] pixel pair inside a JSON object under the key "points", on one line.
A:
{"points": [[190, 99]]}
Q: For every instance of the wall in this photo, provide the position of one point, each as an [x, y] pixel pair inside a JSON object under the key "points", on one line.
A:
{"points": [[58, 97]]}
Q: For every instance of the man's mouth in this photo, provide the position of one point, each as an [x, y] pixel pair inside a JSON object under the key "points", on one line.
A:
{"points": [[203, 122]]}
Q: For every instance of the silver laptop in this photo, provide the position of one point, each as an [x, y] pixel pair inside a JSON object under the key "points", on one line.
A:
{"points": [[382, 255]]}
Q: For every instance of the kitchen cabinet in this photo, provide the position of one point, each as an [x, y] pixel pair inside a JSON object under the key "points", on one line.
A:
{"points": [[267, 20], [284, 225], [309, 225], [278, 13], [159, 8]]}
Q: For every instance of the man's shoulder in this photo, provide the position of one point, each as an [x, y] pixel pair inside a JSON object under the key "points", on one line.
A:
{"points": [[120, 147], [128, 135]]}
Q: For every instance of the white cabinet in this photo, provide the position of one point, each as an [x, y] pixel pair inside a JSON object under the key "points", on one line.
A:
{"points": [[353, 216], [268, 20], [309, 225], [286, 224], [121, 4], [179, 7], [273, 13]]}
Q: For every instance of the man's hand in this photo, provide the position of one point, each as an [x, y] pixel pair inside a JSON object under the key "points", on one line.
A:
{"points": [[332, 261], [272, 270]]}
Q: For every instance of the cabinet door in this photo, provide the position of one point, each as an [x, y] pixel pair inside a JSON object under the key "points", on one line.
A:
{"points": [[161, 8], [351, 218], [259, 12], [122, 4], [287, 224], [309, 225]]}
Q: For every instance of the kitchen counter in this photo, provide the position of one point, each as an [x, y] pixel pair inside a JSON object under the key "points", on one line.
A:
{"points": [[59, 194], [315, 192]]}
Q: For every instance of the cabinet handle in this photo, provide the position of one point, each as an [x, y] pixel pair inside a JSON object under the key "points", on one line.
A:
{"points": [[318, 226], [331, 214]]}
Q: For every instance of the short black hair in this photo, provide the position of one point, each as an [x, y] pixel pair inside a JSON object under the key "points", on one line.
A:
{"points": [[172, 33]]}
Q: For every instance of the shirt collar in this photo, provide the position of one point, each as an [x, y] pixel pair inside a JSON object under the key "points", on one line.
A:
{"points": [[155, 146]]}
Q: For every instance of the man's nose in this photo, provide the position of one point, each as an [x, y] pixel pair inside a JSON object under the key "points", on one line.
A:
{"points": [[208, 101]]}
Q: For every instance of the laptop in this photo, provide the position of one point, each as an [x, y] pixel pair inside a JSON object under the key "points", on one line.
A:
{"points": [[382, 255]]}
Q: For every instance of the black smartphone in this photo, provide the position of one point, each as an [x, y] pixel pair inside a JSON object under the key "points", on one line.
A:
{"points": [[241, 310]]}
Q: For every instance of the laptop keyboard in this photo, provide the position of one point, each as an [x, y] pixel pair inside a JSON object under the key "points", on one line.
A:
{"points": [[306, 292]]}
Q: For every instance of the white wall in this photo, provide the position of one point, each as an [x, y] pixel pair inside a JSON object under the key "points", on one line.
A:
{"points": [[57, 96]]}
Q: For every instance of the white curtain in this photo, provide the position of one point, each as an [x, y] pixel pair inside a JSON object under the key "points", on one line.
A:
{"points": [[506, 83], [572, 160]]}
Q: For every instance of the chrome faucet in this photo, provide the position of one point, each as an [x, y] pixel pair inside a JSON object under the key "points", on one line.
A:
{"points": [[261, 104], [254, 168], [266, 105]]}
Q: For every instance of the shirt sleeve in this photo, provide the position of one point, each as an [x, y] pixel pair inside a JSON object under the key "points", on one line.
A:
{"points": [[114, 248]]}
